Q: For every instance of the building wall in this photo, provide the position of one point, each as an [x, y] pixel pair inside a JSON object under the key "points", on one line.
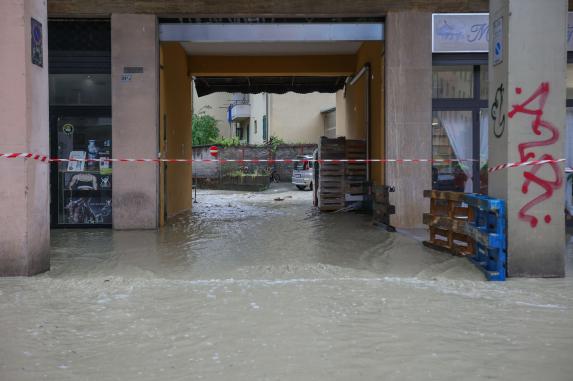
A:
{"points": [[350, 112], [176, 111], [24, 191], [296, 118], [135, 120], [408, 57], [214, 105], [258, 111]]}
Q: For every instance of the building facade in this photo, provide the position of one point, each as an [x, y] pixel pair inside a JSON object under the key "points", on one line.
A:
{"points": [[411, 84], [254, 118]]}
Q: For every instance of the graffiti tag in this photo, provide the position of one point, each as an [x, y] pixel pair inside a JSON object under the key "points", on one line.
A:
{"points": [[498, 125], [534, 106]]}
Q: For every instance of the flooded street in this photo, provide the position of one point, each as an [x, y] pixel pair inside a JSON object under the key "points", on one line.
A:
{"points": [[249, 288]]}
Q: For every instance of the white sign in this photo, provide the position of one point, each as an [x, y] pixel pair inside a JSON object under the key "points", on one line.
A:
{"points": [[460, 32], [469, 32], [498, 41], [76, 163]]}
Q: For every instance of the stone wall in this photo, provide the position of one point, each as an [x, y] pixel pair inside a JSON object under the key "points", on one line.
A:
{"points": [[212, 172]]}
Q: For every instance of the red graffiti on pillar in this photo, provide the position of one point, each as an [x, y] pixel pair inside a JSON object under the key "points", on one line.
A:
{"points": [[538, 98]]}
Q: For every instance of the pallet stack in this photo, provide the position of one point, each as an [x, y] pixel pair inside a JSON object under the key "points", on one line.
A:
{"points": [[355, 173], [487, 227], [331, 175], [447, 222]]}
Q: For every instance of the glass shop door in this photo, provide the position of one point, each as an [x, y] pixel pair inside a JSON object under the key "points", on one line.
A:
{"points": [[81, 190]]}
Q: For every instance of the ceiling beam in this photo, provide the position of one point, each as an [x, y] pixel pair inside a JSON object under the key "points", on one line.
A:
{"points": [[259, 8], [329, 32], [272, 66]]}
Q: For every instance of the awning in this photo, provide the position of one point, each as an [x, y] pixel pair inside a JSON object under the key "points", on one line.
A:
{"points": [[274, 85]]}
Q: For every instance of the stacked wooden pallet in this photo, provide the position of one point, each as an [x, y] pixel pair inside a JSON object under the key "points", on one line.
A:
{"points": [[355, 172], [447, 222], [331, 174]]}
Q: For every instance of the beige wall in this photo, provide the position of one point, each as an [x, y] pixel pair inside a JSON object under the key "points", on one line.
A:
{"points": [[409, 112], [135, 120], [350, 111], [24, 191], [297, 118], [258, 111], [175, 111], [214, 105]]}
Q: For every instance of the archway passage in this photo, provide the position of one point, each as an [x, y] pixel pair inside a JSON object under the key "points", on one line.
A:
{"points": [[271, 58]]}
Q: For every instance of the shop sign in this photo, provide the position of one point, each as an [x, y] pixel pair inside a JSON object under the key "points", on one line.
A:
{"points": [[469, 32], [37, 38], [498, 41]]}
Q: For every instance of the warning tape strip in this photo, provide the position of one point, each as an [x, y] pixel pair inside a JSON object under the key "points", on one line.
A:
{"points": [[46, 159]]}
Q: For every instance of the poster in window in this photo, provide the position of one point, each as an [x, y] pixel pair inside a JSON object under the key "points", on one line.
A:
{"points": [[37, 36], [88, 210], [81, 181], [77, 161]]}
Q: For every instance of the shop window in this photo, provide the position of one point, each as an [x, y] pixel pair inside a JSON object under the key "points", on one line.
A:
{"points": [[459, 124], [80, 89], [452, 141], [450, 81], [84, 196], [484, 82], [80, 122], [483, 152]]}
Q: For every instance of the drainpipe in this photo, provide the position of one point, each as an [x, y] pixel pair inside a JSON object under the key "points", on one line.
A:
{"points": [[367, 124], [267, 115]]}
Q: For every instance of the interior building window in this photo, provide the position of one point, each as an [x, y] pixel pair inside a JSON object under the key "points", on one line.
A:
{"points": [[449, 81]]}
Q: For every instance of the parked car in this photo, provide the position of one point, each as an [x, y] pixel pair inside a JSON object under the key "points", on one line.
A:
{"points": [[303, 173]]}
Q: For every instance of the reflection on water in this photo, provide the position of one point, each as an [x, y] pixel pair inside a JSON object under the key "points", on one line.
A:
{"points": [[249, 288]]}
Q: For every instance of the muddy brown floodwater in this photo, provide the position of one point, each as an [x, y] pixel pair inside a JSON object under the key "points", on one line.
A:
{"points": [[248, 288]]}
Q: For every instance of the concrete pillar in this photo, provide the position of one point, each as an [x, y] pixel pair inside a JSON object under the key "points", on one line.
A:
{"points": [[527, 62], [24, 127], [135, 109], [408, 61]]}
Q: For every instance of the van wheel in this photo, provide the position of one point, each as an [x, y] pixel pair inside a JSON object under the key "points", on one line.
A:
{"points": [[300, 187]]}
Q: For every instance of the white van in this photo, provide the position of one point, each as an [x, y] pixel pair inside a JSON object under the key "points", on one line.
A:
{"points": [[303, 172]]}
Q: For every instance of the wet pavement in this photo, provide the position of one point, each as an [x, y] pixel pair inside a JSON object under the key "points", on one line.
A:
{"points": [[249, 288]]}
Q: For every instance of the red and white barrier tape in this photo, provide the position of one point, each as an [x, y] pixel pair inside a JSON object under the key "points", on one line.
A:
{"points": [[43, 158]]}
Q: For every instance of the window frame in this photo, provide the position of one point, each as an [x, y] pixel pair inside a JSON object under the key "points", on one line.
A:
{"points": [[474, 104]]}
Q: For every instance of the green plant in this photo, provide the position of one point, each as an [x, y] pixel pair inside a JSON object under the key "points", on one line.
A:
{"points": [[204, 129], [274, 142], [226, 142]]}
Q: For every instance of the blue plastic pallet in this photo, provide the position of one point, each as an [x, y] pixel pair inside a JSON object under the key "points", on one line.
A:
{"points": [[487, 227]]}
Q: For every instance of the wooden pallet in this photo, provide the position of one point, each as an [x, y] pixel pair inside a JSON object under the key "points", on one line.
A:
{"points": [[329, 202], [447, 222], [342, 181]]}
